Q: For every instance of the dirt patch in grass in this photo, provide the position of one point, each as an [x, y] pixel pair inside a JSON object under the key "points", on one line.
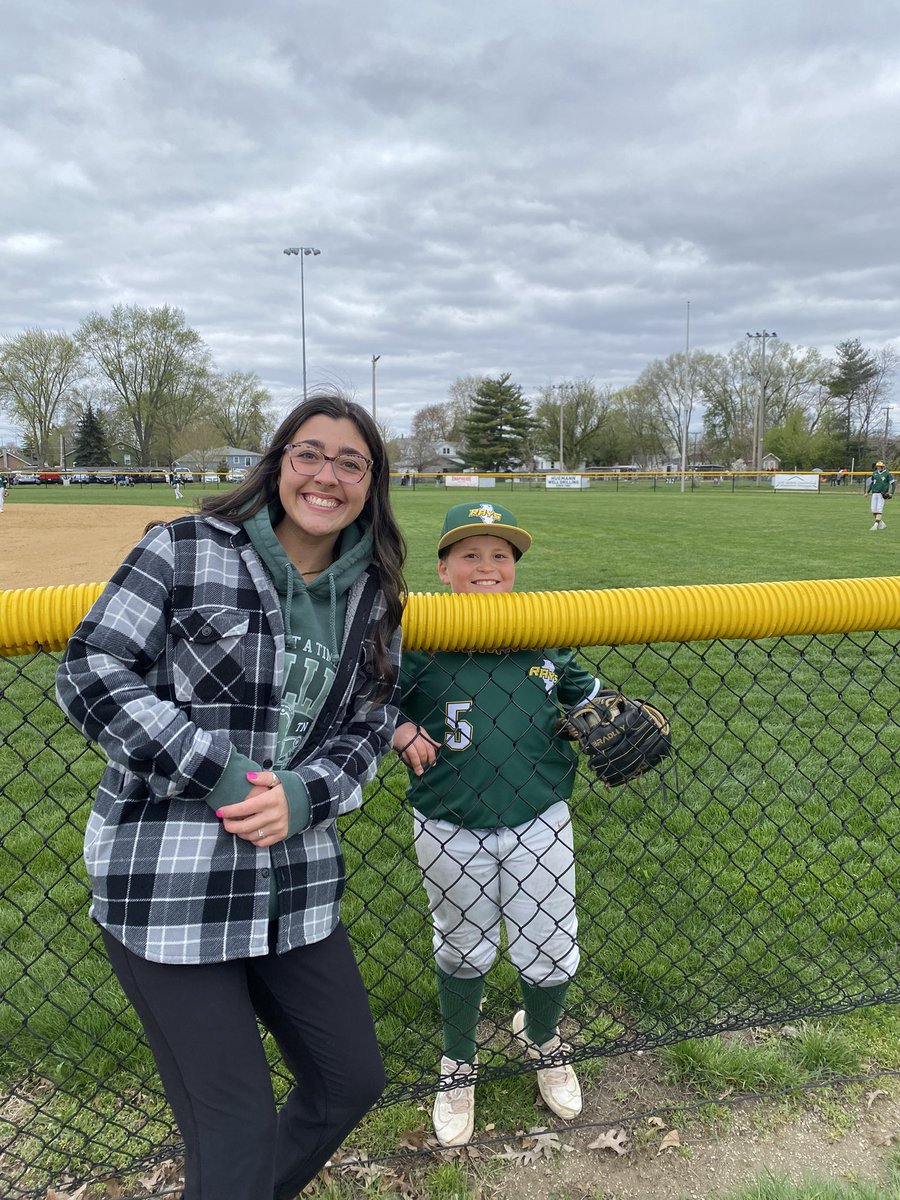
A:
{"points": [[42, 545], [712, 1155]]}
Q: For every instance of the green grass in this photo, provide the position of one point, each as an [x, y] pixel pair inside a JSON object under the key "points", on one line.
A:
{"points": [[633, 537], [779, 1188], [760, 883]]}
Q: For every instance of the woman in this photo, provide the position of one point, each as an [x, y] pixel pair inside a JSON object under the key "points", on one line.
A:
{"points": [[239, 673]]}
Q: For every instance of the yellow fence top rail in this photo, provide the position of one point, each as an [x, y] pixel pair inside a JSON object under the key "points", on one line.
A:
{"points": [[44, 618]]}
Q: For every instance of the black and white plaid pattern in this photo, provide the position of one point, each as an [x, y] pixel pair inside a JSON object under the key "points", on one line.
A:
{"points": [[180, 659]]}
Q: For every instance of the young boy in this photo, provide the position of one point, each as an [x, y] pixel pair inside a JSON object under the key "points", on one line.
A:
{"points": [[489, 784]]}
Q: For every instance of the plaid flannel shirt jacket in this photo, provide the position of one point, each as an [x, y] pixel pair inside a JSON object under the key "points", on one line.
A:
{"points": [[181, 658]]}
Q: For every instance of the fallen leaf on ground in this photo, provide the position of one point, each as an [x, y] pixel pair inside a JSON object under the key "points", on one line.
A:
{"points": [[656, 1122], [413, 1139], [871, 1097], [614, 1139], [670, 1141]]}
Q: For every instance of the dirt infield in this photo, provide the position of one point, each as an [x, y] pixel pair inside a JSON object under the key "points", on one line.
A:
{"points": [[46, 544]]}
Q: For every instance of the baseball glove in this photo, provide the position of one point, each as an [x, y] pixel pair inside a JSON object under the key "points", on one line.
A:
{"points": [[620, 737]]}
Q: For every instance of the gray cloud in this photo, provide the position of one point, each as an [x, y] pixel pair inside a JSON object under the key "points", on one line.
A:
{"points": [[516, 187]]}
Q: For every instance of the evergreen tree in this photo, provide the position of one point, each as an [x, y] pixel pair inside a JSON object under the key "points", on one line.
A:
{"points": [[497, 426], [854, 368], [91, 440]]}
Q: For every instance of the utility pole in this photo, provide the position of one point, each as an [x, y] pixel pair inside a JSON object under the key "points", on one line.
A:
{"points": [[375, 358], [759, 425], [561, 430]]}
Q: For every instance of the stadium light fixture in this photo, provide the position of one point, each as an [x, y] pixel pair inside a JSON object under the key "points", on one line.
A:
{"points": [[302, 252]]}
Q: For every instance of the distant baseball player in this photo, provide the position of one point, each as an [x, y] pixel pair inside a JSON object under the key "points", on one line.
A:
{"points": [[880, 486], [489, 783]]}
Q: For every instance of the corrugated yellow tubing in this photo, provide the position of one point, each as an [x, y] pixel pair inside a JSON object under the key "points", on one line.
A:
{"points": [[43, 618]]}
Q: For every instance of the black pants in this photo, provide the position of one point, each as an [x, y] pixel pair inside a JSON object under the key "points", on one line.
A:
{"points": [[200, 1022]]}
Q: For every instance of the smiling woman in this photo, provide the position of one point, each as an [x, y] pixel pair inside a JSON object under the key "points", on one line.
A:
{"points": [[239, 676]]}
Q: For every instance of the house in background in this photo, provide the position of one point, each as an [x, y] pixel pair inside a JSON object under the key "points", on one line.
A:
{"points": [[11, 461], [201, 463], [427, 458]]}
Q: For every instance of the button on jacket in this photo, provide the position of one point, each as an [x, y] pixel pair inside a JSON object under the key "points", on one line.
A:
{"points": [[181, 659]]}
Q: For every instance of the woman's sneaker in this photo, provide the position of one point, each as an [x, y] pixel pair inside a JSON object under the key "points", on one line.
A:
{"points": [[454, 1108], [557, 1082]]}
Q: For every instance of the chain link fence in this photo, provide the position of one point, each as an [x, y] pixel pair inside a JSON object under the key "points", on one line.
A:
{"points": [[751, 879]]}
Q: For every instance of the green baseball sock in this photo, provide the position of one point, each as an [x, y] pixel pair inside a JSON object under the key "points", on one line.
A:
{"points": [[543, 1008], [460, 1001]]}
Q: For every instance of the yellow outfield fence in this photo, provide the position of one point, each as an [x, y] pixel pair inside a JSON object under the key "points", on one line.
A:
{"points": [[44, 618], [751, 879]]}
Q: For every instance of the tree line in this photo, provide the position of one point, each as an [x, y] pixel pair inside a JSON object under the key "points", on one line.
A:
{"points": [[141, 382], [817, 411], [138, 382]]}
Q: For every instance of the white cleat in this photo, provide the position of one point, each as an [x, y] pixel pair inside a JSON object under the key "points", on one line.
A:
{"points": [[454, 1109], [557, 1083]]}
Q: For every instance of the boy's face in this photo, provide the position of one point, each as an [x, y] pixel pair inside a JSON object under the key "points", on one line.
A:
{"points": [[481, 563]]}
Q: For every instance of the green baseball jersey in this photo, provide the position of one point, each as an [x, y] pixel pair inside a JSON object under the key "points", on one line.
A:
{"points": [[500, 762], [880, 482]]}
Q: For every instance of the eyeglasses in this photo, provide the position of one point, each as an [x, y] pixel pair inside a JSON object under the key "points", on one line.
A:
{"points": [[307, 459]]}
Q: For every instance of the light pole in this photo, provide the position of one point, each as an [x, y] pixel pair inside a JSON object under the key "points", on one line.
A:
{"points": [[301, 252], [375, 358], [761, 403], [688, 393]]}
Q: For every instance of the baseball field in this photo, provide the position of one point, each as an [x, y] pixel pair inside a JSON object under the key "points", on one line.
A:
{"points": [[600, 538], [765, 873]]}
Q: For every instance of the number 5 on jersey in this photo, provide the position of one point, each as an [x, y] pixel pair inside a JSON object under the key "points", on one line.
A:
{"points": [[459, 732]]}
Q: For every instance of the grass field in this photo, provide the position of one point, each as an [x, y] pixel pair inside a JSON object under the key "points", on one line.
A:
{"points": [[633, 537], [762, 880]]}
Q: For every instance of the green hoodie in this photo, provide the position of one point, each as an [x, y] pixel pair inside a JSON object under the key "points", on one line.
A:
{"points": [[314, 632]]}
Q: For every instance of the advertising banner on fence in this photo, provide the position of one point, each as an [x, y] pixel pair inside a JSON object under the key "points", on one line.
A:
{"points": [[482, 481], [568, 481], [782, 482]]}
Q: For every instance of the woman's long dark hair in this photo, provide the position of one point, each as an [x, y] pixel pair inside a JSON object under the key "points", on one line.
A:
{"points": [[260, 490]]}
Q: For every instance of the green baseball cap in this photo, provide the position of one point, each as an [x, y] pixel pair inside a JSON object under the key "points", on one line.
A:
{"points": [[480, 517]]}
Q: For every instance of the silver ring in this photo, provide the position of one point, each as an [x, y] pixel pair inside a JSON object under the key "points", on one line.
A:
{"points": [[260, 833]]}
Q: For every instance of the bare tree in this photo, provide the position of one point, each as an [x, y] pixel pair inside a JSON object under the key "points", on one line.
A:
{"points": [[152, 362], [432, 423], [39, 373], [584, 408], [241, 409], [463, 391]]}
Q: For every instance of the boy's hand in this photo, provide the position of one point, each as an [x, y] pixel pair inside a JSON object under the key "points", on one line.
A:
{"points": [[416, 748]]}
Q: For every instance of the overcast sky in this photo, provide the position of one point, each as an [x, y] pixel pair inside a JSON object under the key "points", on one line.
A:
{"points": [[532, 186]]}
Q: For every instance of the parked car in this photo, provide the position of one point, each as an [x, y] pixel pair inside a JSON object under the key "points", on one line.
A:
{"points": [[24, 478], [50, 477], [211, 477], [81, 477]]}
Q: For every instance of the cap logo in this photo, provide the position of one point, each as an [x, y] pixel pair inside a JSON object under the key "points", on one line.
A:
{"points": [[485, 513]]}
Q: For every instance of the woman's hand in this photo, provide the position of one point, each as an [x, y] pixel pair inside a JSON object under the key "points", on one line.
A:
{"points": [[416, 748], [263, 817]]}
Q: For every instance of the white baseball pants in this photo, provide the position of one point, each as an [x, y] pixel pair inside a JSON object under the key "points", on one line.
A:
{"points": [[525, 875]]}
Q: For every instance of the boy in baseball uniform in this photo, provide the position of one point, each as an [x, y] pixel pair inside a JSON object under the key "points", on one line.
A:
{"points": [[881, 487], [489, 782]]}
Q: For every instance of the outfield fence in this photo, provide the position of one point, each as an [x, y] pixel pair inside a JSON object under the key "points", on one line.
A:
{"points": [[752, 879]]}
